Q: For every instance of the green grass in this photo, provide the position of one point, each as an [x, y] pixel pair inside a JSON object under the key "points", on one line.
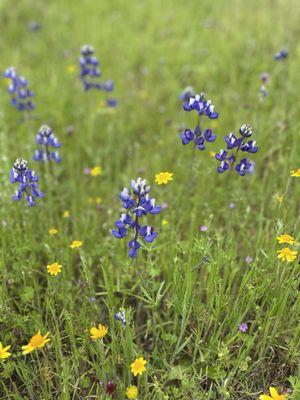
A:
{"points": [[187, 293]]}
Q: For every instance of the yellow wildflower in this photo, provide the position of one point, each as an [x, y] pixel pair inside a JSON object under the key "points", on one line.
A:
{"points": [[287, 254], [71, 68], [296, 173], [3, 352], [279, 198], [212, 154], [164, 222], [273, 395], [66, 214], [286, 238], [132, 392], [138, 366], [98, 333], [53, 231], [76, 243], [163, 178], [37, 341], [96, 171], [98, 200], [54, 269]]}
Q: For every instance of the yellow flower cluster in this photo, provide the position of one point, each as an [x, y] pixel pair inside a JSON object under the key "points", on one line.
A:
{"points": [[36, 342], [286, 254], [137, 368]]}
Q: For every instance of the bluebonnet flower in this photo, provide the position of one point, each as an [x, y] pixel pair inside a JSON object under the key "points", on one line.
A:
{"points": [[281, 55], [111, 102], [21, 95], [198, 136], [228, 159], [137, 203], [90, 74], [201, 105], [90, 70], [47, 139], [187, 93], [28, 182], [120, 316]]}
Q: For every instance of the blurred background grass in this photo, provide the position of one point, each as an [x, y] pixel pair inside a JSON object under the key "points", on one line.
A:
{"points": [[185, 296]]}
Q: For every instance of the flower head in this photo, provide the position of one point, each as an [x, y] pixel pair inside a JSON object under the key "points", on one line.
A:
{"points": [[132, 392], [46, 139], [201, 105], [287, 254], [243, 327], [66, 214], [121, 316], [90, 73], [137, 204], [281, 55], [229, 158], [285, 238], [273, 395], [187, 93], [27, 180], [54, 269], [76, 243], [37, 341], [4, 352], [96, 171], [110, 387], [98, 333], [52, 231], [138, 366], [21, 95], [296, 173], [163, 178]]}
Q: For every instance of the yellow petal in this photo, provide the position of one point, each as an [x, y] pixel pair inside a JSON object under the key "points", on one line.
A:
{"points": [[265, 397], [27, 349], [274, 394]]}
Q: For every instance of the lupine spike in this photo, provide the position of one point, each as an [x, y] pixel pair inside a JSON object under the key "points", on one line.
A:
{"points": [[90, 73], [46, 138], [21, 95], [228, 159], [203, 107], [137, 203], [28, 182]]}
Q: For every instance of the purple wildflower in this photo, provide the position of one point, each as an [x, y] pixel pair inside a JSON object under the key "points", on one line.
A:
{"points": [[203, 228], [21, 95], [27, 180], [137, 204], [243, 327], [46, 139], [228, 158]]}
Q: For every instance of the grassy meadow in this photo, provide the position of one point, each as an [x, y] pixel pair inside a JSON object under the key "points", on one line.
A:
{"points": [[187, 293]]}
